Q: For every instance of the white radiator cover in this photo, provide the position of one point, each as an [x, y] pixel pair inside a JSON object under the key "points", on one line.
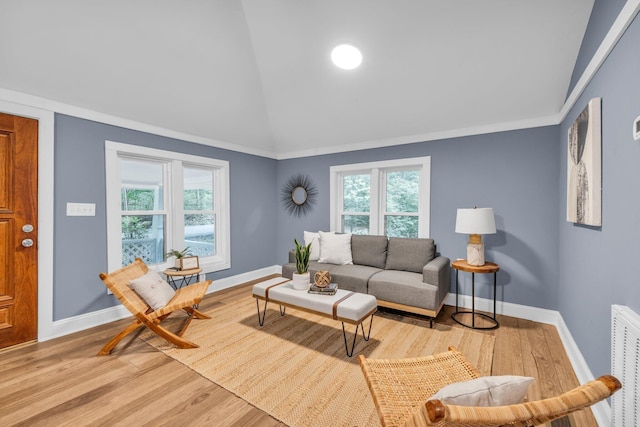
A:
{"points": [[625, 365]]}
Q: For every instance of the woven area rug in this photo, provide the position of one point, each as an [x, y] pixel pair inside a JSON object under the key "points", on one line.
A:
{"points": [[295, 367]]}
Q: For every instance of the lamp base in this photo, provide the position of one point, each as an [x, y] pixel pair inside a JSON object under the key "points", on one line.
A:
{"points": [[475, 254]]}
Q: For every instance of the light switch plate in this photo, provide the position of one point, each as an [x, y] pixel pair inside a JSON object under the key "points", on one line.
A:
{"points": [[81, 209]]}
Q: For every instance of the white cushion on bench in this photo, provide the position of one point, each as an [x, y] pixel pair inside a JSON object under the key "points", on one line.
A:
{"points": [[355, 308]]}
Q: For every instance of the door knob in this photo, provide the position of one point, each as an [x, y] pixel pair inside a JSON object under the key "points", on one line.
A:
{"points": [[27, 228], [27, 243]]}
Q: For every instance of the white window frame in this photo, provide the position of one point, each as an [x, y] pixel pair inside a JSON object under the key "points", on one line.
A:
{"points": [[377, 209], [174, 205]]}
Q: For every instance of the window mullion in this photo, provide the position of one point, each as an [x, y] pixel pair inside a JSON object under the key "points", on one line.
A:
{"points": [[424, 201], [336, 204], [340, 208], [376, 227], [175, 198]]}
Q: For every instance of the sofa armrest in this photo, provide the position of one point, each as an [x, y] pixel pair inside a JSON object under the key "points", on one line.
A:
{"points": [[438, 273], [292, 256]]}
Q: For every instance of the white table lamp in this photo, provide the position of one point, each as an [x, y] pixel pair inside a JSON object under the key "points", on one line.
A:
{"points": [[475, 222]]}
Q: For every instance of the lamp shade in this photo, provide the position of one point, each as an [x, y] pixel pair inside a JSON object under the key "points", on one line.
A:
{"points": [[475, 221]]}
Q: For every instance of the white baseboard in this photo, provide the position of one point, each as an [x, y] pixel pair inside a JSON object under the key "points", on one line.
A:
{"points": [[96, 318], [85, 321], [602, 410], [238, 279]]}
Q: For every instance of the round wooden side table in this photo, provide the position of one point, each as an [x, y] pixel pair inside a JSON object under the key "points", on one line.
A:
{"points": [[487, 268], [180, 278]]}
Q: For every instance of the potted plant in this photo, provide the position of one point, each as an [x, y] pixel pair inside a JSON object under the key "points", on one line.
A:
{"points": [[179, 255], [301, 279]]}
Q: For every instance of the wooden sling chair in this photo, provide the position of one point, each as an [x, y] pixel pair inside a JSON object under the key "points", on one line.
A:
{"points": [[401, 389], [186, 298]]}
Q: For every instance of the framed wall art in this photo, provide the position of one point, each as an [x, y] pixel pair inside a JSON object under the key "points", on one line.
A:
{"points": [[584, 166]]}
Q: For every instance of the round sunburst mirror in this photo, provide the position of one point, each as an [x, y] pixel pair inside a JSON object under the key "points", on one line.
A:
{"points": [[299, 195]]}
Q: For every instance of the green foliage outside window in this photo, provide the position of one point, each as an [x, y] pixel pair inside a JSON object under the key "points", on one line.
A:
{"points": [[198, 200], [402, 197], [135, 227], [402, 191], [357, 198], [356, 224], [401, 226], [357, 193], [133, 199]]}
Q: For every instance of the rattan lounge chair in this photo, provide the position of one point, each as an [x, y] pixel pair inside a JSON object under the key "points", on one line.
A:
{"points": [[401, 388], [186, 298]]}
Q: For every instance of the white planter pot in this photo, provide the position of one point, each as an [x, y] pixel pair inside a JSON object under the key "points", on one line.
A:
{"points": [[301, 281]]}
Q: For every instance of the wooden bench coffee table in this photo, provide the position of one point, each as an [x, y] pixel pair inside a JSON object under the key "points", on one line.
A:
{"points": [[345, 306]]}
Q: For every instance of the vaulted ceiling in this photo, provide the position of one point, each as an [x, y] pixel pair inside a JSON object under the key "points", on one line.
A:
{"points": [[256, 74]]}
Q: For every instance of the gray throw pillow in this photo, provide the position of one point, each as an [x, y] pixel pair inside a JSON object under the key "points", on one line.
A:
{"points": [[409, 254], [369, 250]]}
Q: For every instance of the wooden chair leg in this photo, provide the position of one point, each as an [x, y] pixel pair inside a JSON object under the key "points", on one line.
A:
{"points": [[186, 324], [170, 336], [106, 350], [193, 313], [196, 313]]}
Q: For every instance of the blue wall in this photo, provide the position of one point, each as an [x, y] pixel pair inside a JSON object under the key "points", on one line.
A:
{"points": [[80, 245], [603, 14], [598, 266], [516, 173]]}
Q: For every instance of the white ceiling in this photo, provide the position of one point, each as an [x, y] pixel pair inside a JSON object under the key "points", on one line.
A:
{"points": [[256, 74]]}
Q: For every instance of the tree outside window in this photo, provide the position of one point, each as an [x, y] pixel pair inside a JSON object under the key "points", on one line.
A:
{"points": [[382, 198]]}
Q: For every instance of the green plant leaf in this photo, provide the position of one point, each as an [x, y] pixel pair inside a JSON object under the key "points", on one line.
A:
{"points": [[303, 254]]}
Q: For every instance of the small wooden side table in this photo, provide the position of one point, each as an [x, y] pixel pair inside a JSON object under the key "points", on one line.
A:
{"points": [[488, 267], [180, 278]]}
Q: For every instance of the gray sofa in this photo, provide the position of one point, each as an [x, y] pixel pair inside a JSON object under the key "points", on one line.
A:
{"points": [[403, 274]]}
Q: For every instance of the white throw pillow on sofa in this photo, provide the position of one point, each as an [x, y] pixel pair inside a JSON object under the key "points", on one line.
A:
{"points": [[335, 248], [314, 239], [496, 390]]}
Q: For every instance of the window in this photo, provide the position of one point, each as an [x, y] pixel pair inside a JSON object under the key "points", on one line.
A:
{"points": [[160, 200], [390, 198]]}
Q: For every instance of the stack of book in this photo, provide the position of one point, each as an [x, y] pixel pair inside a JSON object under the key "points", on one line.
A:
{"points": [[329, 290]]}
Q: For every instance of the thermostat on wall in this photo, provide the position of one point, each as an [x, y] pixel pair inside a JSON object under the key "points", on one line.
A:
{"points": [[636, 129]]}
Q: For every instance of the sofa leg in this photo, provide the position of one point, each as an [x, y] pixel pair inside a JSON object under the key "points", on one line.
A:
{"points": [[431, 322]]}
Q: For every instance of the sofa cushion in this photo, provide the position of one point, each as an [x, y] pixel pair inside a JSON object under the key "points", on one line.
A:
{"points": [[405, 287], [314, 239], [315, 266], [352, 277], [409, 254], [369, 250], [335, 248]]}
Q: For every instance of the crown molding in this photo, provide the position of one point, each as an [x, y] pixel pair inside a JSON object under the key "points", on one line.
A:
{"points": [[617, 30], [425, 137], [83, 113]]}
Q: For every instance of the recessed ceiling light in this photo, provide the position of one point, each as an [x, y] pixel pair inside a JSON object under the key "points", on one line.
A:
{"points": [[346, 56]]}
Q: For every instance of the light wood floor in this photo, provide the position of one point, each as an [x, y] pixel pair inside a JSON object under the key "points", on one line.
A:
{"points": [[61, 382]]}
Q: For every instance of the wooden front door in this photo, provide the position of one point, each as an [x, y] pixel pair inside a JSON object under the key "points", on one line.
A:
{"points": [[18, 232]]}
